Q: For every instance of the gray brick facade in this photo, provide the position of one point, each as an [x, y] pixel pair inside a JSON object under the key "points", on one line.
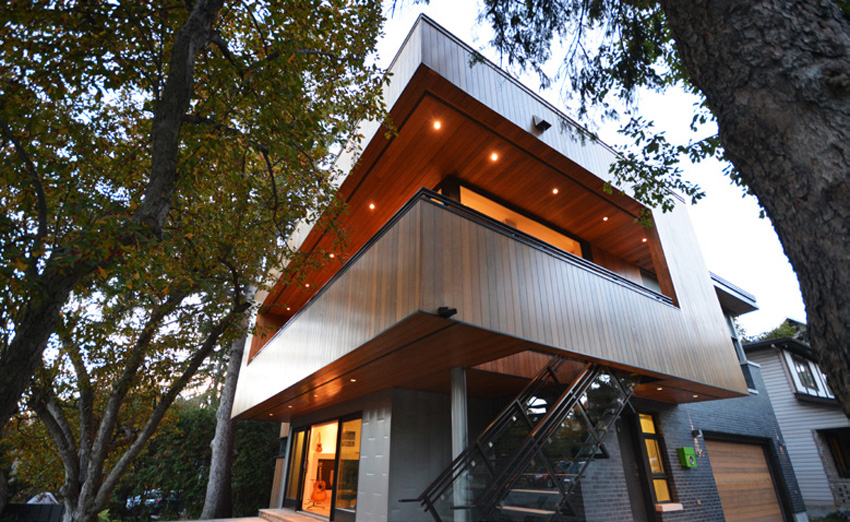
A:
{"points": [[605, 492]]}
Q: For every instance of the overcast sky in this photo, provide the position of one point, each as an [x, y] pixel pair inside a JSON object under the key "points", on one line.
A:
{"points": [[736, 243]]}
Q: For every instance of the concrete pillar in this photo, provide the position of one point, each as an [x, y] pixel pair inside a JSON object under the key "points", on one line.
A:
{"points": [[460, 436]]}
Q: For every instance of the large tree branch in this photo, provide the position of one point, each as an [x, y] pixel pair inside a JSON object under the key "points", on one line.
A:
{"points": [[192, 36], [192, 365], [41, 199], [86, 401], [39, 316], [44, 404]]}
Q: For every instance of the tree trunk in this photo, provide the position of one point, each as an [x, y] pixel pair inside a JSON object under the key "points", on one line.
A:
{"points": [[4, 490], [777, 76], [218, 501]]}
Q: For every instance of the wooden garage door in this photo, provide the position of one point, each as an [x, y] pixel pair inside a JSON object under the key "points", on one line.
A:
{"points": [[744, 482]]}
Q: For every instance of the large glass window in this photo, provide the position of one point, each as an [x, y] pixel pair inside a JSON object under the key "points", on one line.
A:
{"points": [[518, 221], [653, 447]]}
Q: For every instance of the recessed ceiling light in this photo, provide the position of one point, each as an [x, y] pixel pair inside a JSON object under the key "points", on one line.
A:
{"points": [[659, 388], [643, 240], [371, 206], [307, 285], [289, 406], [696, 395], [554, 191], [288, 308], [331, 256], [437, 125], [605, 218], [271, 414], [494, 156], [315, 395], [353, 380]]}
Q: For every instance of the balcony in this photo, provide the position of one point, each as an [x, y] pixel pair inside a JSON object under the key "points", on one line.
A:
{"points": [[376, 323]]}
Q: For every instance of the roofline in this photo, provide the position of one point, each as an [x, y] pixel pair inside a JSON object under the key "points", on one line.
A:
{"points": [[742, 294], [786, 343]]}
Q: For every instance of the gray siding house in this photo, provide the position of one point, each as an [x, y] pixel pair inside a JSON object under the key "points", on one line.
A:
{"points": [[815, 429]]}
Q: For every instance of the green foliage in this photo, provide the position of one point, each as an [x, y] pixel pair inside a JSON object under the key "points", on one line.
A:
{"points": [[275, 94], [613, 48], [177, 460], [783, 331]]}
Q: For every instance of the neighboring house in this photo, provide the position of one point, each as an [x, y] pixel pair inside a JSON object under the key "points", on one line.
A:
{"points": [[493, 286], [813, 424]]}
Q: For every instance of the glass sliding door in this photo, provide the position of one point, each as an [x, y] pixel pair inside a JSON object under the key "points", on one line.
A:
{"points": [[324, 463], [295, 469], [345, 491], [321, 468]]}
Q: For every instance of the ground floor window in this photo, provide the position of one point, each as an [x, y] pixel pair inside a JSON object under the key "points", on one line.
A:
{"points": [[323, 468], [838, 441], [653, 452]]}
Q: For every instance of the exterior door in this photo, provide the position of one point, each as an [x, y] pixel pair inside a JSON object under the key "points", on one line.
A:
{"points": [[320, 465], [744, 482], [295, 469]]}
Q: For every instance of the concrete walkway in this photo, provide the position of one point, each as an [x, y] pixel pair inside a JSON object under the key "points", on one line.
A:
{"points": [[268, 515]]}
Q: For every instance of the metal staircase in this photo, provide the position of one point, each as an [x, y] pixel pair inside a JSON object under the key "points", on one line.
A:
{"points": [[528, 462]]}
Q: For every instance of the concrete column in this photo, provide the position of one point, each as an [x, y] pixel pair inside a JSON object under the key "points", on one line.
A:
{"points": [[460, 422], [460, 437]]}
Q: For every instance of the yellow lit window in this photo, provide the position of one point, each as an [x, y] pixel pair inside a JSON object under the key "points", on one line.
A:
{"points": [[653, 450]]}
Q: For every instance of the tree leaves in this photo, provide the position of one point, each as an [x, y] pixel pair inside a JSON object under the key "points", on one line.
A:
{"points": [[278, 89]]}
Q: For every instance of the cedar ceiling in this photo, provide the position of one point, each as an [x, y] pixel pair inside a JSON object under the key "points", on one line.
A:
{"points": [[391, 170]]}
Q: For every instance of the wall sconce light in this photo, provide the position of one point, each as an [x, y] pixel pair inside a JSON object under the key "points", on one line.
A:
{"points": [[540, 124], [445, 312]]}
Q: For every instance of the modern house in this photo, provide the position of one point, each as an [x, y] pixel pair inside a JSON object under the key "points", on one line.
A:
{"points": [[502, 338], [813, 424]]}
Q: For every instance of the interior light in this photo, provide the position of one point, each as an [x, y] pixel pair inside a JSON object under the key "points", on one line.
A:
{"points": [[643, 240], [437, 125], [494, 156], [554, 191], [605, 218], [659, 388], [696, 395], [371, 206]]}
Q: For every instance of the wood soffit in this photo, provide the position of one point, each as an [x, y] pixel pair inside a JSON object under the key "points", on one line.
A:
{"points": [[390, 171], [418, 352]]}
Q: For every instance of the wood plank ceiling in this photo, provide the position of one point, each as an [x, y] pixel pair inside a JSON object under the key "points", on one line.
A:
{"points": [[524, 174]]}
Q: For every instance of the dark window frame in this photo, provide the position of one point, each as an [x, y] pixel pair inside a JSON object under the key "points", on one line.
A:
{"points": [[649, 475], [838, 441]]}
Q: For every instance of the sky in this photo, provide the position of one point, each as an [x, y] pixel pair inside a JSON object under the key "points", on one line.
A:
{"points": [[737, 244]]}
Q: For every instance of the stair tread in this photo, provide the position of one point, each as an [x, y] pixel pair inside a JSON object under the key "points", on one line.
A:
{"points": [[530, 511], [538, 491]]}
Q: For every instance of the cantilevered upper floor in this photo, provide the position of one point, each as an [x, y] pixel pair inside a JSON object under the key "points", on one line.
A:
{"points": [[479, 229]]}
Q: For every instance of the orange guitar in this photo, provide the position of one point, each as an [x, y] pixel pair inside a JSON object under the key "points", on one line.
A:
{"points": [[320, 493]]}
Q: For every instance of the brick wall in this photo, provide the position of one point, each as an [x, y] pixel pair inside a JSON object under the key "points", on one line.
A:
{"points": [[748, 419]]}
